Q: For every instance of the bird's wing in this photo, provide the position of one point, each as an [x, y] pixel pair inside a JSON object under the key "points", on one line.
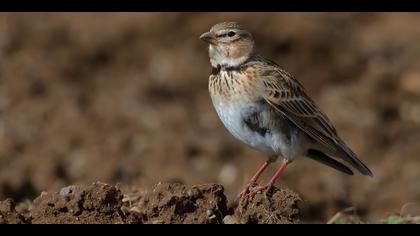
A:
{"points": [[288, 97]]}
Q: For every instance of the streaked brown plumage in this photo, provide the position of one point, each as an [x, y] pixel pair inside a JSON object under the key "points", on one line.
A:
{"points": [[266, 108]]}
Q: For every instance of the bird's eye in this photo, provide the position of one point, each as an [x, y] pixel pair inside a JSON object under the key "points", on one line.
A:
{"points": [[231, 34]]}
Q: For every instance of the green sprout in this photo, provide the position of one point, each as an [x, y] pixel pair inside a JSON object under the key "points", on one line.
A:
{"points": [[339, 221], [394, 220]]}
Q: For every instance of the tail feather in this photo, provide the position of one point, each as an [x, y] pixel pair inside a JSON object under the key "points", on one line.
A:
{"points": [[324, 159], [352, 158]]}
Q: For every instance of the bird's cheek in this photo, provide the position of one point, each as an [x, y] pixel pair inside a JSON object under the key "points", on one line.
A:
{"points": [[236, 53], [217, 50], [226, 50]]}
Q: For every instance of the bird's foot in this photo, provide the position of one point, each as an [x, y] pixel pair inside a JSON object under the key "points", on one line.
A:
{"points": [[245, 189], [254, 188], [262, 188]]}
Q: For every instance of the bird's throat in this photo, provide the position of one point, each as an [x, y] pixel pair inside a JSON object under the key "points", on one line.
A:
{"points": [[224, 59]]}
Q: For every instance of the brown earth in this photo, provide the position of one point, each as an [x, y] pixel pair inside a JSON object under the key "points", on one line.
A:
{"points": [[122, 98], [277, 206], [164, 204]]}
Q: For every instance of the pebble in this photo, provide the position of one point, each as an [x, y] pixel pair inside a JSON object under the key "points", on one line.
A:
{"points": [[64, 192], [230, 220]]}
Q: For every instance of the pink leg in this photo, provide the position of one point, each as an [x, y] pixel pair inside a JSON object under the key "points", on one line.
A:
{"points": [[254, 178], [275, 176]]}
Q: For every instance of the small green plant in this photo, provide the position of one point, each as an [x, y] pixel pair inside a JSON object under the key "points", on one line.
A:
{"points": [[394, 220], [339, 221]]}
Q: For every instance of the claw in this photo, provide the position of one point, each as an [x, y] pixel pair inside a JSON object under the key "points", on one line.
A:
{"points": [[262, 188], [245, 189], [251, 187]]}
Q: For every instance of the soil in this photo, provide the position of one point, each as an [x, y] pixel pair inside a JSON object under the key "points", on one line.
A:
{"points": [[175, 204], [9, 215], [166, 203], [98, 203], [276, 206], [122, 98]]}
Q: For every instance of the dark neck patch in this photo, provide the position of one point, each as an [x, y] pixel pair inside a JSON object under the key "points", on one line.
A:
{"points": [[216, 70]]}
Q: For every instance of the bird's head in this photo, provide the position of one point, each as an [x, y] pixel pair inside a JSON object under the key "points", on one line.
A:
{"points": [[230, 44]]}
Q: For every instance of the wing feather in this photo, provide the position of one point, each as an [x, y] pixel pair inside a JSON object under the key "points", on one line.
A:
{"points": [[293, 102], [288, 96]]}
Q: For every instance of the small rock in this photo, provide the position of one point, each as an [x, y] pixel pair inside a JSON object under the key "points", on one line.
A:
{"points": [[230, 220], [64, 192]]}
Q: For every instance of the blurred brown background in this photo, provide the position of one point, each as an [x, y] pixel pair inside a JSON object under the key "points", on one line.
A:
{"points": [[122, 98]]}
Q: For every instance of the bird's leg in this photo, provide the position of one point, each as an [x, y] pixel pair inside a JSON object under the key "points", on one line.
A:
{"points": [[254, 179], [275, 176]]}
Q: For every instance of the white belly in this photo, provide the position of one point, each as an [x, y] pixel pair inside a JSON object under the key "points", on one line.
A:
{"points": [[230, 113]]}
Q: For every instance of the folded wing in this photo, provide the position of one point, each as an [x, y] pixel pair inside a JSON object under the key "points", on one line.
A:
{"points": [[288, 97]]}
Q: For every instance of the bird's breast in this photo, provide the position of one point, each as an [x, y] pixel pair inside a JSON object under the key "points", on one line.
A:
{"points": [[231, 85], [236, 101]]}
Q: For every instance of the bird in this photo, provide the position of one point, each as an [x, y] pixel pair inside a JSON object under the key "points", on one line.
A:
{"points": [[266, 108]]}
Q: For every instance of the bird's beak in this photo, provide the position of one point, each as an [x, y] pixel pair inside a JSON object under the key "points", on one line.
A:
{"points": [[208, 37]]}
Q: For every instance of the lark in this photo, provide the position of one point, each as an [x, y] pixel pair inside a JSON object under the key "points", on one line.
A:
{"points": [[266, 108]]}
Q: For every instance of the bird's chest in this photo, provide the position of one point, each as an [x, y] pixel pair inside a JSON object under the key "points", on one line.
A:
{"points": [[231, 95], [236, 104]]}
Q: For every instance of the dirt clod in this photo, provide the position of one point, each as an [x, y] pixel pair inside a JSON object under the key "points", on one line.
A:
{"points": [[96, 203], [175, 203], [8, 213], [276, 206]]}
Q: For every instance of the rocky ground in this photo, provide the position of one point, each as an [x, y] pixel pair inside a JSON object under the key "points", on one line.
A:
{"points": [[122, 98]]}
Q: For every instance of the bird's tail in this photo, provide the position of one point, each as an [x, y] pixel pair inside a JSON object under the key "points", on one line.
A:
{"points": [[326, 160], [349, 156]]}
